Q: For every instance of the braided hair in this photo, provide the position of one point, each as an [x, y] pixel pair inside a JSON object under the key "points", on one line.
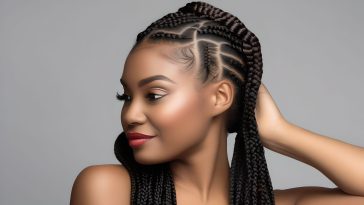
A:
{"points": [[226, 49]]}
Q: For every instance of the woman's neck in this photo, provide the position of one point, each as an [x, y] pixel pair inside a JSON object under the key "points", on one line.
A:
{"points": [[204, 173]]}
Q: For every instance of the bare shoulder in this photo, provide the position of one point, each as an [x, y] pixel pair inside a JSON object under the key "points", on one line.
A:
{"points": [[101, 184], [312, 195]]}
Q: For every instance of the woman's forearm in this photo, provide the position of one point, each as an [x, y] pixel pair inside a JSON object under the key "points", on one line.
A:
{"points": [[341, 162]]}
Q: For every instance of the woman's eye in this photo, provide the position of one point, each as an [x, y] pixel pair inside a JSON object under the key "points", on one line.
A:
{"points": [[127, 98], [153, 96]]}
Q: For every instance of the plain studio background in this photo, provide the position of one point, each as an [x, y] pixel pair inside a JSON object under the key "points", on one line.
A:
{"points": [[61, 62]]}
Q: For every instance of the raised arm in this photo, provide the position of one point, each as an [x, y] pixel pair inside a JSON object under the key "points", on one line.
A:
{"points": [[341, 162]]}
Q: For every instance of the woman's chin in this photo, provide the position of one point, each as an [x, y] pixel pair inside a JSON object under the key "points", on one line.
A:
{"points": [[147, 158]]}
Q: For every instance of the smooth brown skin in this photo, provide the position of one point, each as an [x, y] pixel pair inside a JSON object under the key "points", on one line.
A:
{"points": [[188, 120]]}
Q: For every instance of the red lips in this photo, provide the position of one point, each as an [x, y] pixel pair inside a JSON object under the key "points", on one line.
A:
{"points": [[136, 135]]}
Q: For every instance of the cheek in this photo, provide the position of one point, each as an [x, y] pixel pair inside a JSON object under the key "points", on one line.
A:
{"points": [[181, 121]]}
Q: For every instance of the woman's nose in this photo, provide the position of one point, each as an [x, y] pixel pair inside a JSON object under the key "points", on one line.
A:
{"points": [[132, 113]]}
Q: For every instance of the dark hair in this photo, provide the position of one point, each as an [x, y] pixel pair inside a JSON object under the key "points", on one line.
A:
{"points": [[223, 42]]}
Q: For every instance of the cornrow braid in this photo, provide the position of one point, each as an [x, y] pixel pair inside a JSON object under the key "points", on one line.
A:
{"points": [[226, 49]]}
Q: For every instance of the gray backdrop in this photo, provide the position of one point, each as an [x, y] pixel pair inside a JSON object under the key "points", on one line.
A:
{"points": [[61, 62]]}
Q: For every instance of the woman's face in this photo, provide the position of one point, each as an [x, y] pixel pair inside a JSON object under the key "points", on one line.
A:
{"points": [[174, 109]]}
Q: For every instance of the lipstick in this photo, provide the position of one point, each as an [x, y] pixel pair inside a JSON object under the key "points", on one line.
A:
{"points": [[136, 139]]}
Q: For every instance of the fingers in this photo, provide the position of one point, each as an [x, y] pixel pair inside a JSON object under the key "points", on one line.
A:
{"points": [[264, 98], [262, 88]]}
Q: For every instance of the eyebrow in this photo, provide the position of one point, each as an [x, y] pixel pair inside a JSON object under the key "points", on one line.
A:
{"points": [[148, 80]]}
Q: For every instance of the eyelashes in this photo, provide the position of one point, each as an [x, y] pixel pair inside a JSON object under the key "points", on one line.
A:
{"points": [[127, 98], [122, 97]]}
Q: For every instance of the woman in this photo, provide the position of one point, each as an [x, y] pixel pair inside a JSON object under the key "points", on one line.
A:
{"points": [[191, 78]]}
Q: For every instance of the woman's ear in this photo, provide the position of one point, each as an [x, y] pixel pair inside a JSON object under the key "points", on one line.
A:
{"points": [[221, 96]]}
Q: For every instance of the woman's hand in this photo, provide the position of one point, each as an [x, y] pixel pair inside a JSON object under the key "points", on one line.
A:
{"points": [[269, 119]]}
